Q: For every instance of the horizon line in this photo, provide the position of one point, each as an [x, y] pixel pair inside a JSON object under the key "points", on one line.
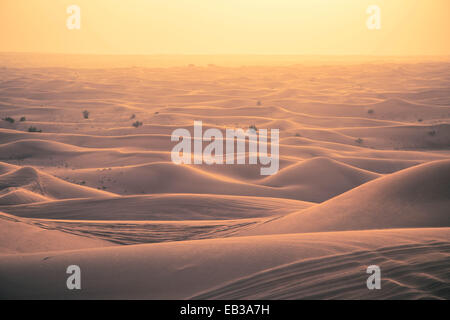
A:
{"points": [[232, 54]]}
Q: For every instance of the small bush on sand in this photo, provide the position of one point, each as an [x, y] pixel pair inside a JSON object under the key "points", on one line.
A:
{"points": [[8, 119], [420, 120], [258, 103], [370, 111], [432, 133], [359, 140], [137, 124], [298, 135], [253, 128], [132, 116], [86, 114], [33, 129], [23, 119]]}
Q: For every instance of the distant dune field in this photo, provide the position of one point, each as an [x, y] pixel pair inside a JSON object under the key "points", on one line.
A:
{"points": [[364, 179]]}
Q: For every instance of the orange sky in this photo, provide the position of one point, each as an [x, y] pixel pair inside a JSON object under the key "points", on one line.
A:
{"points": [[326, 27]]}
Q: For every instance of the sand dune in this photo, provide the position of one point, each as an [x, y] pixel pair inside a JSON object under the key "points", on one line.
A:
{"points": [[398, 108], [221, 268], [386, 109], [345, 276], [42, 184], [19, 236], [35, 147], [404, 137], [6, 167], [338, 178], [415, 197], [127, 232], [297, 182], [166, 207], [13, 196], [132, 141], [382, 166], [46, 153]]}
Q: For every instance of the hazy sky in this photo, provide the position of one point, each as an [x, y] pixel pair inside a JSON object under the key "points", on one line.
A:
{"points": [[408, 27]]}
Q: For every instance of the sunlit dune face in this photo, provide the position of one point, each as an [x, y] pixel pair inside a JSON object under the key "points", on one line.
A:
{"points": [[408, 27]]}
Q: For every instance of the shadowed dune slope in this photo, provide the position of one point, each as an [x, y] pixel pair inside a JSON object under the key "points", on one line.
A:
{"points": [[6, 167], [13, 196], [45, 185], [19, 237], [298, 182], [36, 148], [397, 108], [414, 197], [164, 207], [322, 176], [434, 137]]}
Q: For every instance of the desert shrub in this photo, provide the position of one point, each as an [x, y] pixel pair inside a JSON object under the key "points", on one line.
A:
{"points": [[132, 116], [370, 111], [23, 119], [253, 127], [258, 103], [86, 114], [420, 120], [359, 140], [8, 119], [137, 124], [33, 129], [298, 134], [432, 133]]}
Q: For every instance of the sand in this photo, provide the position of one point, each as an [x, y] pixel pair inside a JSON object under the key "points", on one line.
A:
{"points": [[364, 179]]}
